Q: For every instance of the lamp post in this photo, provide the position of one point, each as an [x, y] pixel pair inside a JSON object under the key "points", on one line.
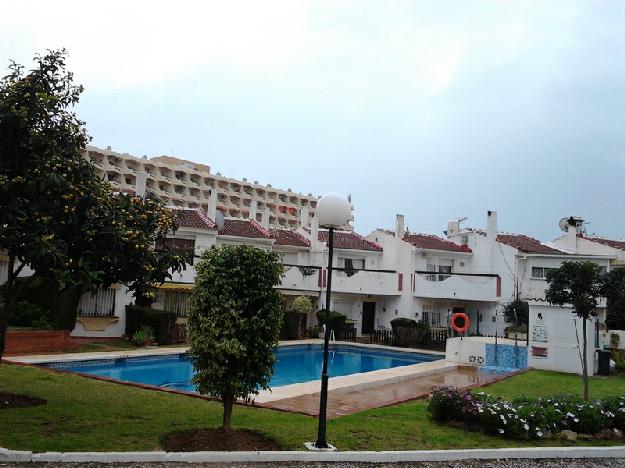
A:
{"points": [[333, 211]]}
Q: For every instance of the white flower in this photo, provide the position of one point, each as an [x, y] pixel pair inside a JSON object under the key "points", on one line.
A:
{"points": [[527, 428], [501, 431], [539, 434], [575, 420]]}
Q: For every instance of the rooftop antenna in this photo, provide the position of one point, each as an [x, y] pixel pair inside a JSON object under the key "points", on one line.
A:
{"points": [[460, 220]]}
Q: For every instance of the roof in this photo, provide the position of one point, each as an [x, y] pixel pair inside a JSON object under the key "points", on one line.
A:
{"points": [[289, 237], [614, 243], [527, 244], [193, 218], [429, 241], [244, 228], [349, 240]]}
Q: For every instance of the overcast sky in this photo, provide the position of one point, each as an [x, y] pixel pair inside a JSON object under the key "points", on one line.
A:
{"points": [[435, 109]]}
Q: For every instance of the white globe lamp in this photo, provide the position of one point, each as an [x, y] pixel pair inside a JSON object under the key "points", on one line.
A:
{"points": [[334, 210]]}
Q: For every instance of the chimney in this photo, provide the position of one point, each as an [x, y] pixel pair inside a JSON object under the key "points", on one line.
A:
{"points": [[572, 227], [212, 204], [304, 217], [142, 178], [399, 226], [265, 221], [491, 225], [491, 237], [314, 229], [253, 210]]}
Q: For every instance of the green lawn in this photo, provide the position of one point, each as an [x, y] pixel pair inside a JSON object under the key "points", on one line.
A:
{"points": [[86, 414]]}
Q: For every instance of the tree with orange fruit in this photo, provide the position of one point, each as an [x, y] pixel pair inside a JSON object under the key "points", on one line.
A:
{"points": [[57, 217]]}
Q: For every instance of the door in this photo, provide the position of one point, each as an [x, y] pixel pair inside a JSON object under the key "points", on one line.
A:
{"points": [[368, 317]]}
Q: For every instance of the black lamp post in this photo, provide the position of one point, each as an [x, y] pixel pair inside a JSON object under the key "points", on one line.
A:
{"points": [[333, 211], [323, 403]]}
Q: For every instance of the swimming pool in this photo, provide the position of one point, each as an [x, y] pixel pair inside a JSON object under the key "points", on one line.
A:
{"points": [[294, 364]]}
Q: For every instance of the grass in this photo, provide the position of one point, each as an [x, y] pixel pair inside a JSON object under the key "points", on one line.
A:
{"points": [[90, 415]]}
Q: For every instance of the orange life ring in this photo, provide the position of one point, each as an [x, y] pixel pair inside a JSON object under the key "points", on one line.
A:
{"points": [[455, 317]]}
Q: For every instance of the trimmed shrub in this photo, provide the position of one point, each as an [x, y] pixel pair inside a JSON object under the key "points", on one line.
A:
{"points": [[402, 322], [337, 321], [163, 323], [291, 325]]}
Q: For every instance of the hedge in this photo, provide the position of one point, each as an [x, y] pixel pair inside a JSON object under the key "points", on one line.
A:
{"points": [[291, 325], [337, 321], [161, 321]]}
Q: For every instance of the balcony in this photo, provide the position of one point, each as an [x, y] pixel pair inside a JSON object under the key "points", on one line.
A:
{"points": [[472, 287], [366, 282], [301, 279]]}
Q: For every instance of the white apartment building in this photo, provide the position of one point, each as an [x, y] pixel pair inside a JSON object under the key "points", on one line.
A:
{"points": [[187, 184]]}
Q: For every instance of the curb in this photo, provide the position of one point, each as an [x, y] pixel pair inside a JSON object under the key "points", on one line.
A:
{"points": [[304, 456]]}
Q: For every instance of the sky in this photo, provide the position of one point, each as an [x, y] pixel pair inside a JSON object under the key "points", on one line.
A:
{"points": [[433, 109]]}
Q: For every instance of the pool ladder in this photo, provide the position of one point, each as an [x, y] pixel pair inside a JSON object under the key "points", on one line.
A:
{"points": [[332, 337]]}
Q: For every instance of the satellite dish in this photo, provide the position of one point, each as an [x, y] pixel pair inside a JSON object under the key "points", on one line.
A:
{"points": [[219, 220], [564, 224]]}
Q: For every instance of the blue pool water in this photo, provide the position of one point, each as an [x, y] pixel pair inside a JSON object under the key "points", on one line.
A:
{"points": [[294, 364]]}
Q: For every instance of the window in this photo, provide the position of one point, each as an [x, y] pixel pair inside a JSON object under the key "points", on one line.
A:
{"points": [[178, 302], [426, 313], [4, 272], [541, 272], [351, 263], [441, 266], [177, 245], [100, 304]]}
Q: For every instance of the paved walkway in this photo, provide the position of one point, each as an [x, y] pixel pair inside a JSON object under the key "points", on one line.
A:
{"points": [[342, 401]]}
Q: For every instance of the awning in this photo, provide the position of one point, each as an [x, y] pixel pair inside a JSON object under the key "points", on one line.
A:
{"points": [[176, 286]]}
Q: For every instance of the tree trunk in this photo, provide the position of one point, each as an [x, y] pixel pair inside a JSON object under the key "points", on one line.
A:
{"points": [[585, 361], [8, 303], [228, 402]]}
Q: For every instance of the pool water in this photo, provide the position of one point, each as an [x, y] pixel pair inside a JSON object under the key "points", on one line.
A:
{"points": [[295, 363]]}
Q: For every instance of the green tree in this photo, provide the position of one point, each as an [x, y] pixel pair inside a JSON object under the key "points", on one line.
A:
{"points": [[302, 305], [520, 308], [614, 292], [578, 285], [234, 323], [56, 216]]}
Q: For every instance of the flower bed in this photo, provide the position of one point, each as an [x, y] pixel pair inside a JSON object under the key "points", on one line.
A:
{"points": [[527, 418]]}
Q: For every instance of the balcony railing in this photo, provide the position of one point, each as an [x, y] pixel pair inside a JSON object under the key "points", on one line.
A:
{"points": [[464, 286], [383, 282]]}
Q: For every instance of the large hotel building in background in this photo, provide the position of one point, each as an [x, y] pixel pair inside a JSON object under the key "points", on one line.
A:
{"points": [[187, 184]]}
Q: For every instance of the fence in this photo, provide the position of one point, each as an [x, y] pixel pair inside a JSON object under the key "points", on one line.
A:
{"points": [[100, 304], [434, 338], [180, 333], [347, 334]]}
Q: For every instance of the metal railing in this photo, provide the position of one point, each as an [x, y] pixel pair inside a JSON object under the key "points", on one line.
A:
{"points": [[100, 304]]}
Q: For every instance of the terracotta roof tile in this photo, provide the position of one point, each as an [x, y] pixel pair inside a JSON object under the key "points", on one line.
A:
{"points": [[244, 228], [193, 218], [349, 240], [429, 241], [527, 244], [289, 237], [614, 243]]}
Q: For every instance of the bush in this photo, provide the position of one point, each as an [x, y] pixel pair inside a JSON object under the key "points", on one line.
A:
{"points": [[162, 323], [522, 309], [291, 325], [144, 336], [527, 418], [337, 321], [403, 322], [34, 316]]}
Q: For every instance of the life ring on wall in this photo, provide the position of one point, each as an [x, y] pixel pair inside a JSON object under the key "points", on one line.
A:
{"points": [[457, 316]]}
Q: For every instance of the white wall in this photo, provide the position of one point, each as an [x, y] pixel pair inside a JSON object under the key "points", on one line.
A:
{"points": [[115, 330], [558, 328]]}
